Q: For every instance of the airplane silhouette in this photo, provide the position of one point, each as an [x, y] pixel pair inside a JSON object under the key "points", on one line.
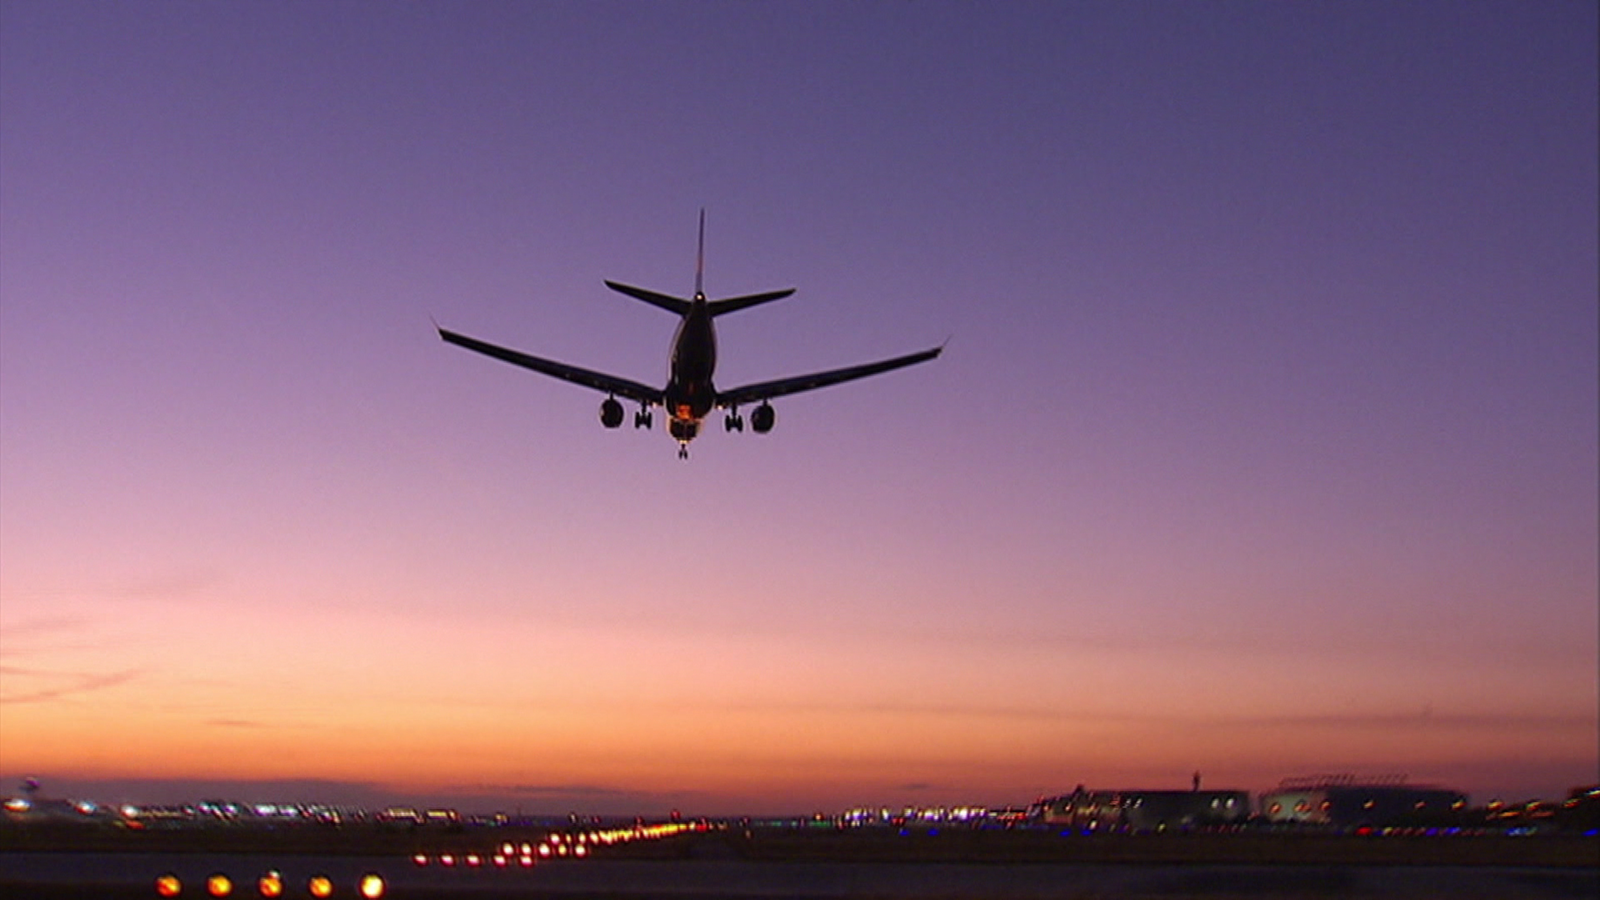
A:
{"points": [[689, 395]]}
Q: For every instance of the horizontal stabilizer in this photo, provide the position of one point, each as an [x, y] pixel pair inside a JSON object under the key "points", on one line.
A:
{"points": [[734, 304], [670, 304]]}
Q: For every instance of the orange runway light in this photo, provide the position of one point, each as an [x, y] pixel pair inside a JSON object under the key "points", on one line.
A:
{"points": [[320, 886], [168, 886], [270, 885], [219, 885], [372, 886]]}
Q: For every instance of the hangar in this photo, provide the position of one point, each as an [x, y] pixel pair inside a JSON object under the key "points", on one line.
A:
{"points": [[1344, 802]]}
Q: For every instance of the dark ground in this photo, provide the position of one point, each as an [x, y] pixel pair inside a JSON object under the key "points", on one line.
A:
{"points": [[866, 864]]}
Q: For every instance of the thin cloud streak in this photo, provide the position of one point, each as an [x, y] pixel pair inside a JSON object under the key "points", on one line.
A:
{"points": [[78, 684]]}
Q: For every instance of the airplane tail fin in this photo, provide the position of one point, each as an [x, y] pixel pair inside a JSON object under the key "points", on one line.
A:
{"points": [[700, 258]]}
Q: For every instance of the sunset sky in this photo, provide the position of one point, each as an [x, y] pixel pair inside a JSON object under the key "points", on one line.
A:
{"points": [[1265, 443]]}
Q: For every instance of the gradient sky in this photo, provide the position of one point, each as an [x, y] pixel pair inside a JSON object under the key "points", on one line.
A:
{"points": [[1265, 443]]}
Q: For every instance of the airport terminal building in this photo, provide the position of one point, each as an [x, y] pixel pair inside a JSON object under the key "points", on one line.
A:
{"points": [[1135, 810]]}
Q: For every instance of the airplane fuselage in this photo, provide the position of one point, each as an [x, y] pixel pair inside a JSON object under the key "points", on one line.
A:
{"points": [[690, 396]]}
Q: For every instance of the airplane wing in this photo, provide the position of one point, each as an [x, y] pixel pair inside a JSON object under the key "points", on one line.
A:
{"points": [[600, 381], [766, 390]]}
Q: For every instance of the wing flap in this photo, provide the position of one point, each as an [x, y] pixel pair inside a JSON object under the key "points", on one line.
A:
{"points": [[599, 381], [766, 390]]}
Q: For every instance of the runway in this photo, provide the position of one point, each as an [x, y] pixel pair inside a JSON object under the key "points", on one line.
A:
{"points": [[127, 875]]}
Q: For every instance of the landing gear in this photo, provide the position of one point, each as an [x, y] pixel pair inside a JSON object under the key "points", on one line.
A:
{"points": [[642, 418], [734, 421], [683, 451]]}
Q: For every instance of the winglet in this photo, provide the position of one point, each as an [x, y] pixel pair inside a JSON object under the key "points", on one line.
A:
{"points": [[700, 258]]}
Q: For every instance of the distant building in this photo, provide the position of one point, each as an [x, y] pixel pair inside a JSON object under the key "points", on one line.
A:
{"points": [[1345, 802], [1132, 810]]}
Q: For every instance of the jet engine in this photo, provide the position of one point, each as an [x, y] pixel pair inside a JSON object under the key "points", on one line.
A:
{"points": [[762, 419], [611, 413]]}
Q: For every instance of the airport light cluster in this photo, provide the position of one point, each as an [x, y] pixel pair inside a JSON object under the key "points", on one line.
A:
{"points": [[271, 883], [555, 846]]}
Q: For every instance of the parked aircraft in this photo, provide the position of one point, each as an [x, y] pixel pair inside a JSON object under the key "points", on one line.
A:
{"points": [[689, 395]]}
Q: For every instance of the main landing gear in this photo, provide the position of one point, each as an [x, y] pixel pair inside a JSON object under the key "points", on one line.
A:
{"points": [[761, 421]]}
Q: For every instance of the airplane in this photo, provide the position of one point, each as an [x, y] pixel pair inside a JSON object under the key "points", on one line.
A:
{"points": [[690, 395]]}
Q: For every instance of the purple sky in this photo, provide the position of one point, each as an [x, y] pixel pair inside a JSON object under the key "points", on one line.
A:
{"points": [[1265, 442]]}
